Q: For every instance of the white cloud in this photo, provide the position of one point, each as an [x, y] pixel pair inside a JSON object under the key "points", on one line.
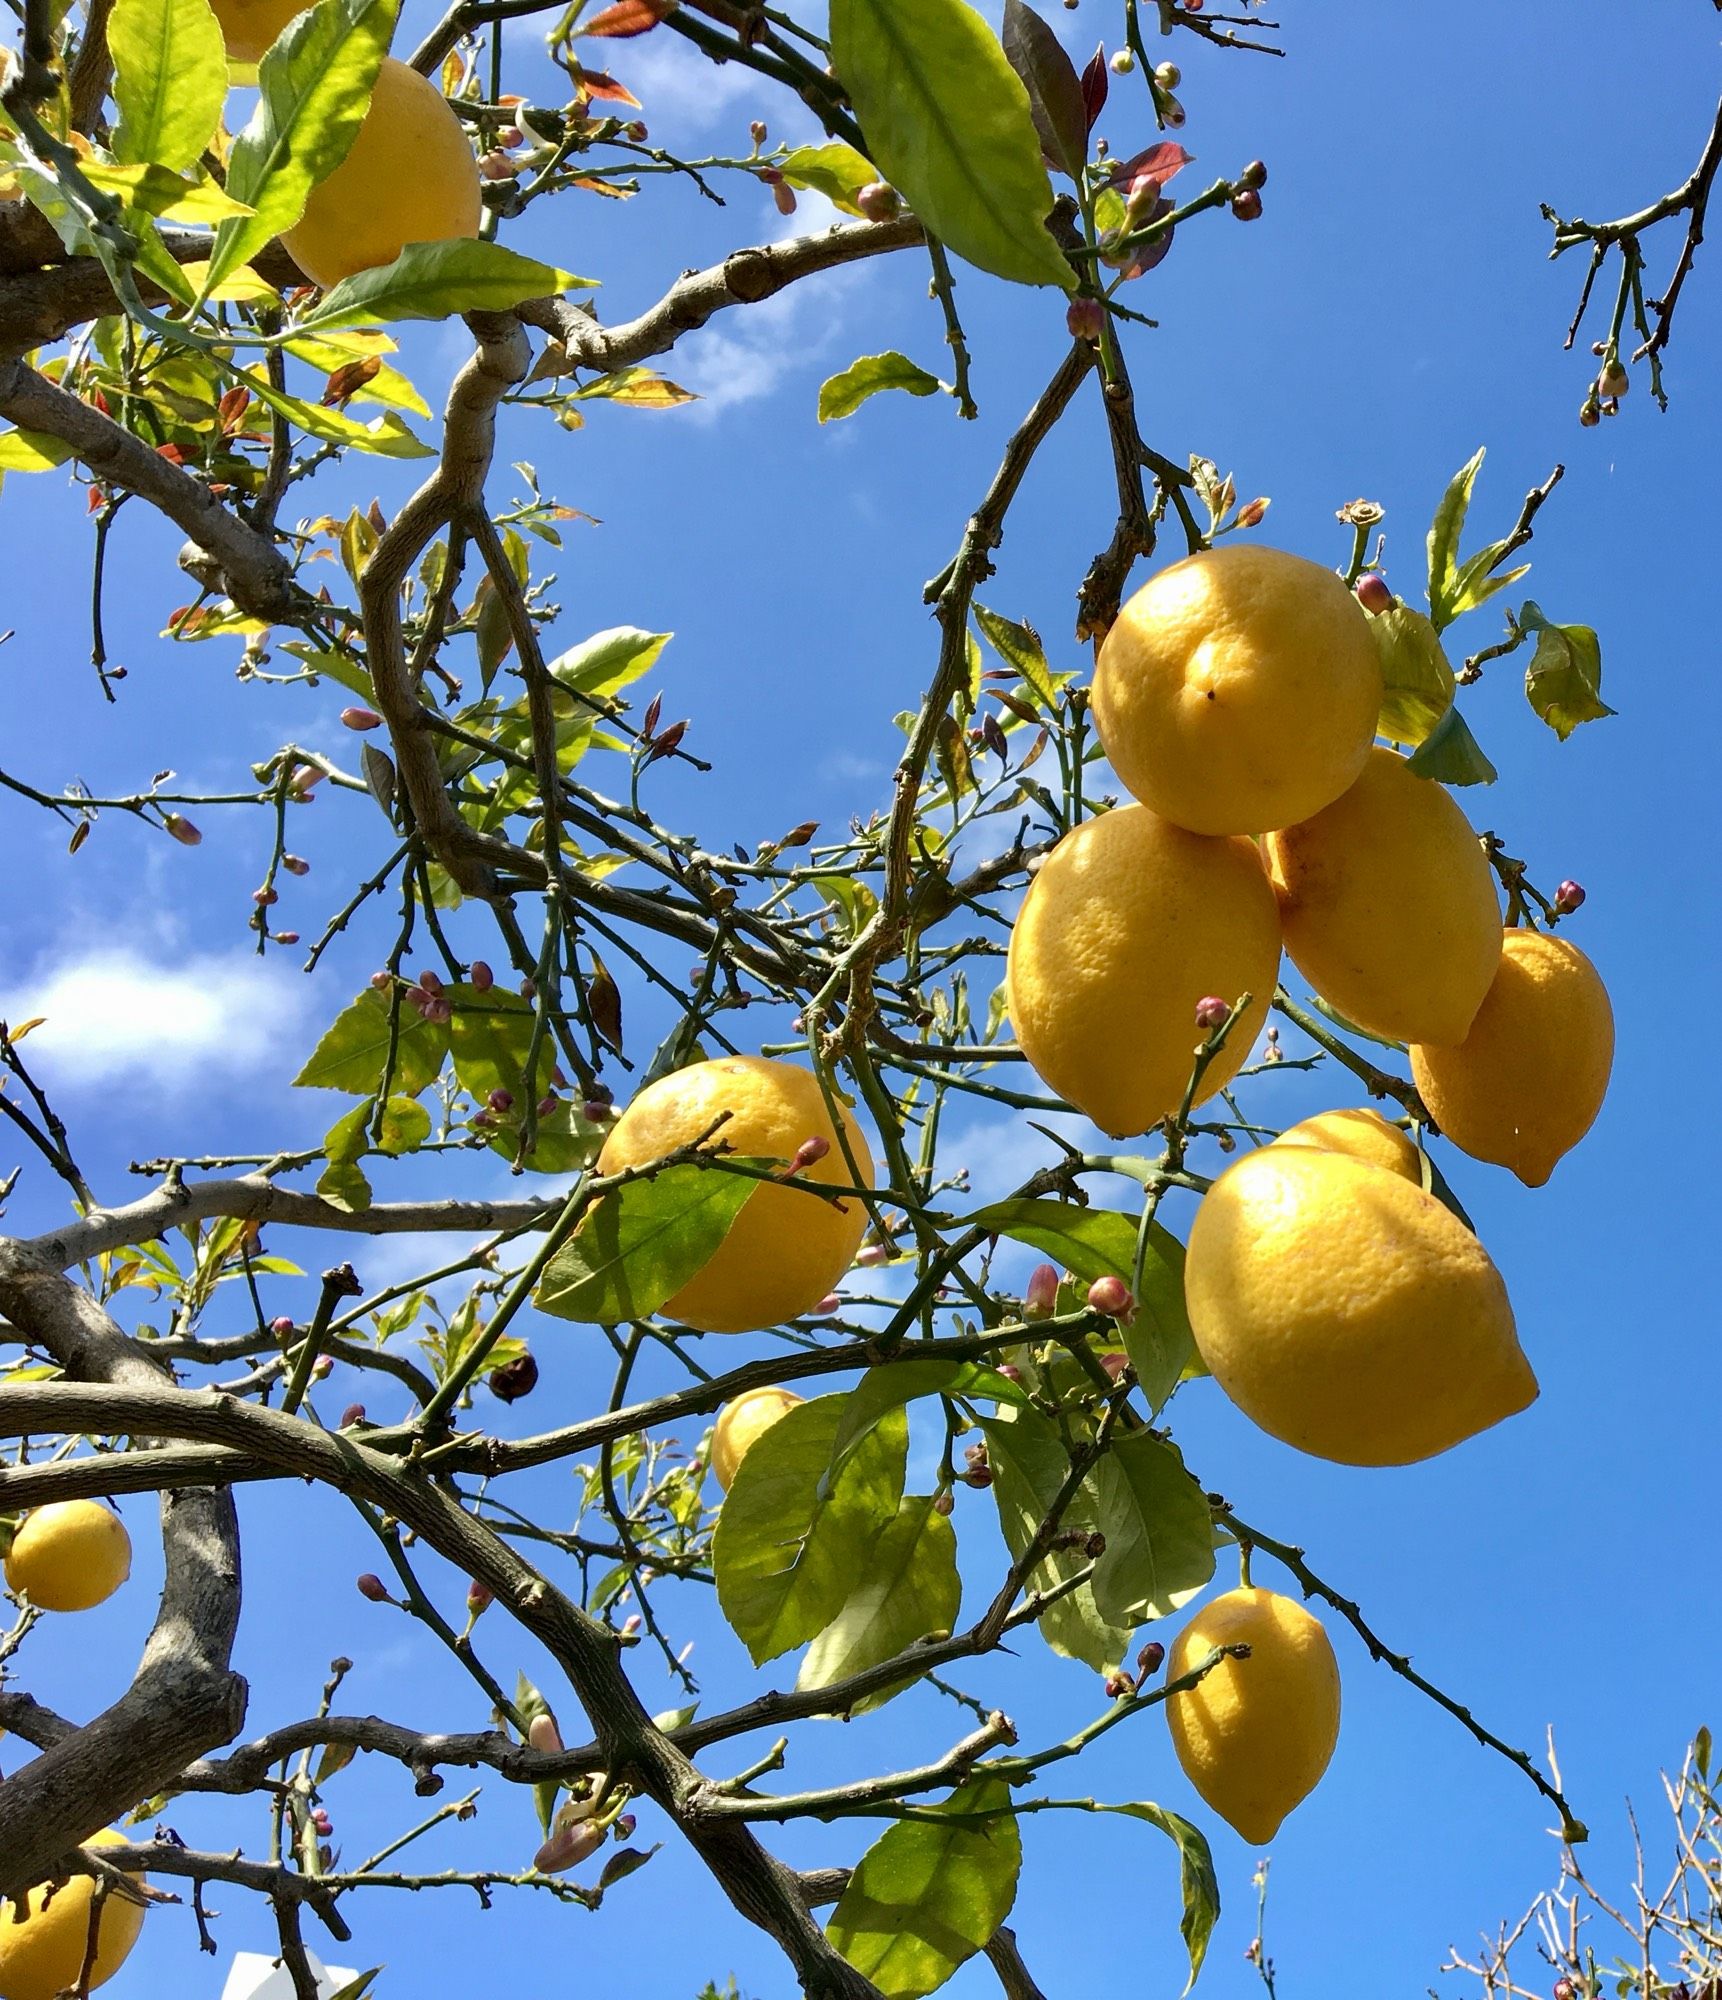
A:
{"points": [[749, 355], [116, 1013]]}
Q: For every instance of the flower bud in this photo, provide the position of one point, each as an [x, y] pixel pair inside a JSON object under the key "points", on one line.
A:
{"points": [[1568, 897], [322, 1368], [756, 131], [322, 1822], [1118, 1685], [353, 1414], [500, 1099], [529, 988], [1040, 1298], [1253, 513], [543, 1735], [1123, 62], [1009, 1370], [1086, 319], [1614, 381], [809, 1153], [1116, 1365], [831, 1303], [264, 897], [879, 202], [547, 1104], [382, 981], [438, 1010], [1151, 1658], [624, 1828], [1372, 591], [597, 1111], [945, 1502], [871, 1255], [1565, 1990], [483, 979], [1590, 416], [1172, 112], [568, 1846], [1168, 75], [361, 718], [784, 196], [514, 1379], [372, 1586], [182, 830], [1212, 1012], [1255, 175], [1246, 204], [1111, 1295], [980, 1476], [295, 864], [479, 1596], [282, 1328]]}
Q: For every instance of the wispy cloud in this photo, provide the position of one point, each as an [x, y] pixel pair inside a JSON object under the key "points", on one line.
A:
{"points": [[115, 1014]]}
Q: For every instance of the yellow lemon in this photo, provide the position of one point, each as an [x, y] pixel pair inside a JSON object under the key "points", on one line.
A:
{"points": [[1389, 906], [410, 177], [42, 1954], [70, 1556], [1238, 690], [1130, 923], [1255, 1735], [742, 1423], [1362, 1133], [785, 1249], [1349, 1313], [1525, 1085], [249, 26]]}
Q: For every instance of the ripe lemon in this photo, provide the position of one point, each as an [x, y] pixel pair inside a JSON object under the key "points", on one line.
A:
{"points": [[1130, 923], [249, 26], [1389, 907], [741, 1423], [70, 1556], [1525, 1085], [410, 177], [1362, 1133], [42, 1954], [1238, 690], [1349, 1313], [785, 1249], [1255, 1735]]}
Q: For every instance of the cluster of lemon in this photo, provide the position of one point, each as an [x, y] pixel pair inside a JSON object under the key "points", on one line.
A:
{"points": [[70, 1556]]}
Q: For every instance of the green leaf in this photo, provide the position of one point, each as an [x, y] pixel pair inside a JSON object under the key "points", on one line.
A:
{"points": [[1444, 532], [892, 1385], [1475, 584], [1201, 1887], [1029, 1466], [844, 394], [170, 78], [315, 85], [385, 436], [786, 1552], [1019, 646], [1452, 754], [433, 280], [1416, 681], [638, 1245], [836, 171], [908, 1587], [354, 1051], [1158, 1527], [930, 1892], [406, 1126], [489, 1038], [947, 120], [1563, 683], [604, 664]]}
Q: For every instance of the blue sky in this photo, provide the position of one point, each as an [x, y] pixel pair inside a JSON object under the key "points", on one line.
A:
{"points": [[1392, 311]]}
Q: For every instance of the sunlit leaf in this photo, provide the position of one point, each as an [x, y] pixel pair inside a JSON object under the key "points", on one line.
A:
{"points": [[836, 171], [1444, 533], [642, 388], [1563, 683], [1452, 754], [638, 1245], [1159, 1531], [1416, 681], [353, 1053], [844, 394], [433, 280], [170, 77], [907, 1588]]}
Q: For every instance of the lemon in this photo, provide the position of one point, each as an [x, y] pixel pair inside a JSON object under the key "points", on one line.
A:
{"points": [[1389, 907], [410, 177], [70, 1556], [1130, 923], [1255, 1735], [1238, 690], [785, 1249], [42, 1954], [249, 26], [1349, 1313], [1362, 1133], [1525, 1085], [741, 1423]]}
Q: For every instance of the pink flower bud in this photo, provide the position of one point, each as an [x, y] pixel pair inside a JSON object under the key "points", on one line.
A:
{"points": [[945, 1502], [353, 1414], [361, 718], [483, 979], [1613, 382], [1116, 1365], [631, 1624], [305, 778], [625, 1826], [264, 897], [548, 1104], [1009, 1370], [439, 1011], [871, 1255], [295, 864], [784, 196], [1568, 897], [1372, 591], [1246, 205], [756, 131], [1040, 1298], [529, 988], [543, 1735], [322, 1368], [1111, 1295], [285, 937], [831, 1303], [1253, 513], [1212, 1012], [322, 1822], [879, 202], [381, 981], [500, 1100], [1086, 319], [568, 1846], [596, 1111], [809, 1153], [182, 830], [980, 1476], [1151, 1658], [372, 1586], [431, 982], [479, 1597], [1119, 1684], [282, 1328]]}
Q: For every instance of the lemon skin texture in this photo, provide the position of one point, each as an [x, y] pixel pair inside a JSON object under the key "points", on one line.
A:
{"points": [[70, 1556], [1389, 907], [740, 1424], [1130, 923], [1238, 691], [1347, 1312], [1526, 1084], [410, 177], [43, 1955], [1255, 1735], [1362, 1133], [785, 1249], [249, 26]]}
